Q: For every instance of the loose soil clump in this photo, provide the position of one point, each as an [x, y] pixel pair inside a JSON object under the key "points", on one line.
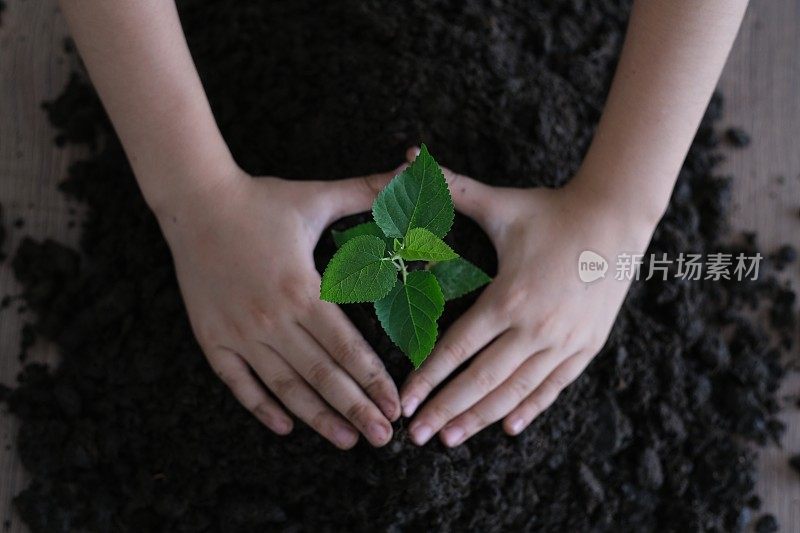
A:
{"points": [[133, 432]]}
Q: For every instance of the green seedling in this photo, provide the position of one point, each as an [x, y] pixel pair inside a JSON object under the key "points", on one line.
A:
{"points": [[400, 262]]}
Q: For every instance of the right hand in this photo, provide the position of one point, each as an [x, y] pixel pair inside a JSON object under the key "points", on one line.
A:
{"points": [[243, 254]]}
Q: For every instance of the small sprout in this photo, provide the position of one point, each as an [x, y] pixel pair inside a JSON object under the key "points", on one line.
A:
{"points": [[412, 215]]}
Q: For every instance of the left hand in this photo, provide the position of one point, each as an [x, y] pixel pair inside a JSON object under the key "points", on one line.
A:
{"points": [[537, 325]]}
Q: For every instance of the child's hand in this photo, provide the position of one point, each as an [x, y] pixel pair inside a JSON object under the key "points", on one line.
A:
{"points": [[537, 325], [244, 259]]}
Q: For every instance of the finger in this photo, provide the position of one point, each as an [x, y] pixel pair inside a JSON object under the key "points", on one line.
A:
{"points": [[354, 195], [335, 386], [299, 398], [502, 400], [337, 335], [236, 374], [475, 329], [546, 393], [470, 196], [489, 369]]}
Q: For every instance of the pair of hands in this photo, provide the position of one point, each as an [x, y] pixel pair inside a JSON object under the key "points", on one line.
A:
{"points": [[243, 253]]}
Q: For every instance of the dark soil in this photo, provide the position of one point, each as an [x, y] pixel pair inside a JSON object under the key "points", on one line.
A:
{"points": [[794, 462], [766, 524], [784, 256], [737, 137], [133, 432]]}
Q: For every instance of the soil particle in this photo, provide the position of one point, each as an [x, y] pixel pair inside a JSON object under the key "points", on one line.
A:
{"points": [[766, 524], [133, 432], [650, 473], [737, 137], [794, 462], [784, 256], [754, 502], [592, 488]]}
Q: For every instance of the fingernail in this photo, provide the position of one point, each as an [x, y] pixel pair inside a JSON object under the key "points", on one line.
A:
{"points": [[516, 425], [420, 434], [378, 432], [388, 407], [452, 435], [410, 405], [344, 436]]}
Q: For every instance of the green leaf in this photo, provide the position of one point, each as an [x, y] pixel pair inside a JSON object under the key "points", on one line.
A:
{"points": [[458, 277], [422, 245], [409, 313], [418, 197], [358, 272], [367, 228]]}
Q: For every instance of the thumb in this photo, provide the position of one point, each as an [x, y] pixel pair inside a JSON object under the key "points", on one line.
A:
{"points": [[355, 195], [470, 196]]}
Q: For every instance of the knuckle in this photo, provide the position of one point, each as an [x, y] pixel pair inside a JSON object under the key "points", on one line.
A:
{"points": [[349, 351], [319, 422], [556, 382], [263, 319], [231, 379], [289, 284], [512, 300], [547, 328], [359, 413], [377, 385], [369, 185], [421, 383], [229, 329], [567, 338], [284, 387], [521, 388], [475, 420], [320, 374], [456, 352], [533, 407], [484, 378], [262, 409], [440, 413]]}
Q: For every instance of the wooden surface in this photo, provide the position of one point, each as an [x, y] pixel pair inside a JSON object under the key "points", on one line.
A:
{"points": [[762, 87], [761, 84]]}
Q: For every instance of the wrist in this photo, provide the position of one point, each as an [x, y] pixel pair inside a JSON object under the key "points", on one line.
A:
{"points": [[614, 223], [618, 197], [180, 189]]}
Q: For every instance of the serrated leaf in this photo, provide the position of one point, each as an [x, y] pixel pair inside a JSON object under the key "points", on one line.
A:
{"points": [[358, 272], [409, 314], [418, 197], [367, 228], [422, 245], [458, 277]]}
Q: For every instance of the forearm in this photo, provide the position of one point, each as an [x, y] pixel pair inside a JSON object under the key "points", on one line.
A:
{"points": [[673, 55], [139, 62]]}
